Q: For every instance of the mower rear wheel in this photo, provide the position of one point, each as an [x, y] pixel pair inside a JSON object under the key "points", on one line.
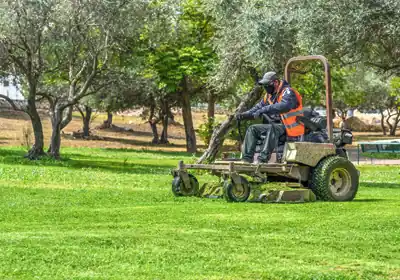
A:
{"points": [[335, 179], [236, 192], [180, 189]]}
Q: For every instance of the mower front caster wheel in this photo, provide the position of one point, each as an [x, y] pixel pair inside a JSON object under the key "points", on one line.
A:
{"points": [[236, 192], [180, 189]]}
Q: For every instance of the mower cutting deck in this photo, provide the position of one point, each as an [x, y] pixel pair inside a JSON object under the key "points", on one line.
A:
{"points": [[317, 170]]}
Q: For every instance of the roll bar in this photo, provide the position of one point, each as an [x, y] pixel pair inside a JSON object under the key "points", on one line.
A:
{"points": [[328, 85]]}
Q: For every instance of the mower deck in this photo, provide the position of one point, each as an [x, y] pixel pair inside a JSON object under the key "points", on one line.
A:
{"points": [[242, 167]]}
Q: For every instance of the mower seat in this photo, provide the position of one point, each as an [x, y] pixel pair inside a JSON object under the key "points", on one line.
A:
{"points": [[278, 150]]}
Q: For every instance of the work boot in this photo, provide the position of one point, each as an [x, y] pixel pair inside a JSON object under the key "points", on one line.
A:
{"points": [[260, 160], [245, 160]]}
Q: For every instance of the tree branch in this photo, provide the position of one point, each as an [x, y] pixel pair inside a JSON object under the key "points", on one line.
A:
{"points": [[12, 103], [88, 81], [18, 61], [384, 67], [78, 75], [67, 117], [48, 97]]}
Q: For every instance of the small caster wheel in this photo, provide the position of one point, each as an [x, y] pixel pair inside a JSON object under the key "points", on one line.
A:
{"points": [[180, 189], [236, 192]]}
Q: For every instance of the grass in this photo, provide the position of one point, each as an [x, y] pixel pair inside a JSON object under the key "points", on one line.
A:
{"points": [[382, 155], [110, 214]]}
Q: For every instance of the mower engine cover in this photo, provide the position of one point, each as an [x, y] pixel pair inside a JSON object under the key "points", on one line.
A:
{"points": [[307, 153], [342, 137]]}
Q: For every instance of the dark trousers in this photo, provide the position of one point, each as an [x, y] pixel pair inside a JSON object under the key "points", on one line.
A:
{"points": [[254, 132]]}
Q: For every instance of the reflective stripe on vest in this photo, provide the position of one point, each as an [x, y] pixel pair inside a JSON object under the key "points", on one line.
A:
{"points": [[293, 114], [292, 125]]}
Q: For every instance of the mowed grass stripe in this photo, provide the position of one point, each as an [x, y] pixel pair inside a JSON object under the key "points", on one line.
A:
{"points": [[63, 220]]}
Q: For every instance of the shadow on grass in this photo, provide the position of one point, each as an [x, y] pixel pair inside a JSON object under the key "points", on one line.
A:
{"points": [[119, 166], [380, 185], [166, 153], [81, 161], [12, 153], [140, 143], [133, 142], [136, 132], [370, 200]]}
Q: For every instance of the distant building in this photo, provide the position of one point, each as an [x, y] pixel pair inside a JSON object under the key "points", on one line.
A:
{"points": [[8, 89]]}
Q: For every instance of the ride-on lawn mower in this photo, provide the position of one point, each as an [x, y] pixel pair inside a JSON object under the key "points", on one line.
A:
{"points": [[317, 167]]}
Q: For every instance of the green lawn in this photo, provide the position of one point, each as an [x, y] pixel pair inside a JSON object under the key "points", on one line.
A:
{"points": [[110, 214], [382, 155]]}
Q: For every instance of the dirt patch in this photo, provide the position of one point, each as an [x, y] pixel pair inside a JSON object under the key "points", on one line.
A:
{"points": [[131, 133], [359, 125], [139, 136]]}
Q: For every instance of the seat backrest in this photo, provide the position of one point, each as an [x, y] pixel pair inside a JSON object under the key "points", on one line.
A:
{"points": [[313, 123]]}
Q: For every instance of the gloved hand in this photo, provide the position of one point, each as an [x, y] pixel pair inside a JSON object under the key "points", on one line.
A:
{"points": [[244, 116], [238, 116], [257, 115]]}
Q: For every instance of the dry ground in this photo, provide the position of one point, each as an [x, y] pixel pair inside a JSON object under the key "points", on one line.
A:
{"points": [[13, 124]]}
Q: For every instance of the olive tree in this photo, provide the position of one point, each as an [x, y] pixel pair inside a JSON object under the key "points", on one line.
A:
{"points": [[251, 37], [87, 36], [24, 37]]}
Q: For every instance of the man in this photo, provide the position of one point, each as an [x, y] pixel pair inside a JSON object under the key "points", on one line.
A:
{"points": [[282, 104]]}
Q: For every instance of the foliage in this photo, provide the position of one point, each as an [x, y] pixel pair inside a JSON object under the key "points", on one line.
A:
{"points": [[116, 206], [86, 46], [183, 50], [363, 31], [206, 129], [251, 37], [375, 90], [395, 89]]}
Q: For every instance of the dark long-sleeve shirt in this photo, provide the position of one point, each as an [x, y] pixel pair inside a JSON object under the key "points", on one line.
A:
{"points": [[287, 103]]}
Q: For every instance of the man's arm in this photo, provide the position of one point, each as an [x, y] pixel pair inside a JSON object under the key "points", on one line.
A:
{"points": [[257, 107], [288, 102]]}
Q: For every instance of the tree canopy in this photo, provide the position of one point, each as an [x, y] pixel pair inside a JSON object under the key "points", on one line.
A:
{"points": [[170, 53]]}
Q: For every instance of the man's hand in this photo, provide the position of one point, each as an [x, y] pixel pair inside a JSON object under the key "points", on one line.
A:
{"points": [[244, 116], [238, 116], [257, 115]]}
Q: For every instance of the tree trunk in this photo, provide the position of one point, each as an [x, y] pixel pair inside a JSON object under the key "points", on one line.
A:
{"points": [[164, 133], [191, 145], [67, 117], [218, 136], [153, 125], [37, 149], [164, 120], [383, 122], [171, 117], [55, 141], [393, 128], [109, 120], [389, 124], [343, 116], [86, 121], [211, 106]]}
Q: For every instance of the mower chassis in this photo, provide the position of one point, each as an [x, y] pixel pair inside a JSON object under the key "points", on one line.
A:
{"points": [[231, 169]]}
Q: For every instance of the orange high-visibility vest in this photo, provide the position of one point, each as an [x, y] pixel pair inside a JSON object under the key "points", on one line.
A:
{"points": [[293, 128]]}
